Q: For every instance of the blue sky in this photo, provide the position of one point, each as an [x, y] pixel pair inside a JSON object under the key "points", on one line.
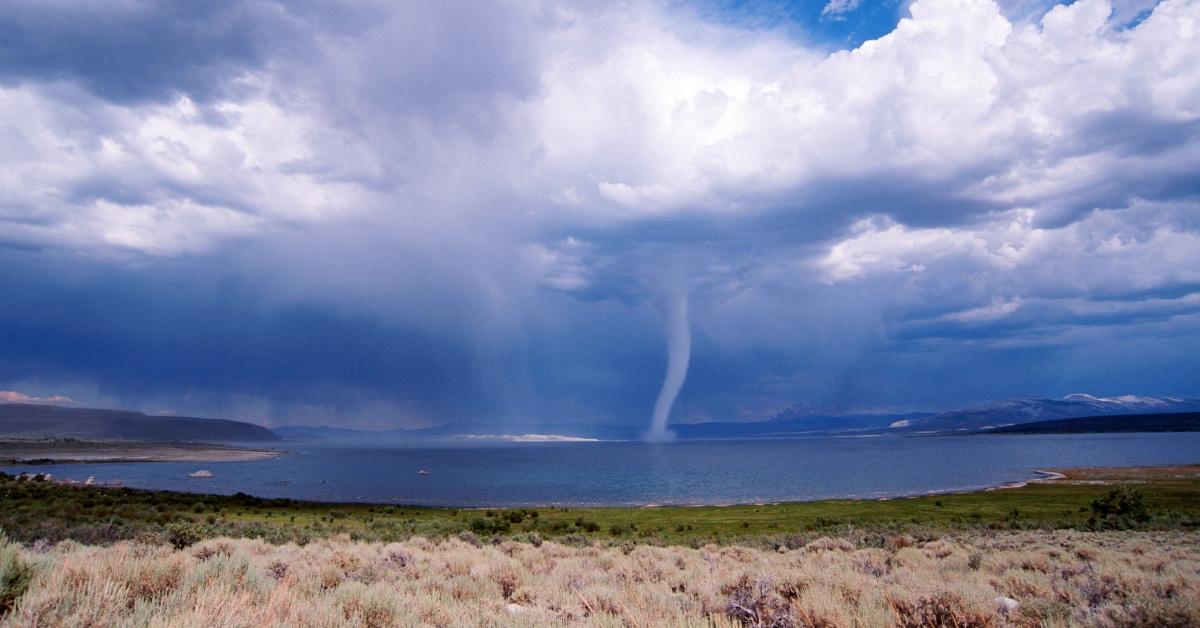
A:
{"points": [[838, 24], [387, 215]]}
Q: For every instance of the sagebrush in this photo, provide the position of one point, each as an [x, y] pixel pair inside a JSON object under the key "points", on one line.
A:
{"points": [[985, 579]]}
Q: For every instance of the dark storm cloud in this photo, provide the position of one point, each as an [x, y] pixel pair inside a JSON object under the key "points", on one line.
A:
{"points": [[185, 323], [429, 211], [1129, 132], [132, 52]]}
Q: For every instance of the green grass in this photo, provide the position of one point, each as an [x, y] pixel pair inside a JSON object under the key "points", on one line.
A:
{"points": [[31, 510]]}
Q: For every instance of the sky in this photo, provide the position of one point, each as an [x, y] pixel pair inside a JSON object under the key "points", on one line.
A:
{"points": [[388, 214]]}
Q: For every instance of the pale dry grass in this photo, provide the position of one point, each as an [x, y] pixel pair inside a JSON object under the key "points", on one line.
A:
{"points": [[1057, 579]]}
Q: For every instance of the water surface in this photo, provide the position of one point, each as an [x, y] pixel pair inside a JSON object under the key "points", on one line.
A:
{"points": [[628, 473]]}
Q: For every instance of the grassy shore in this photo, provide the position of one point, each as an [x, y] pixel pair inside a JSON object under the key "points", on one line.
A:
{"points": [[1096, 547], [30, 510]]}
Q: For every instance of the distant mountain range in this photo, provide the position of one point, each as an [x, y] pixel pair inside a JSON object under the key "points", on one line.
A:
{"points": [[39, 420], [793, 422], [789, 423], [1159, 422], [1031, 409], [35, 420]]}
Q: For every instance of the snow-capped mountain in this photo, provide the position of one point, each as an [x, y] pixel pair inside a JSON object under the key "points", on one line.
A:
{"points": [[1131, 403], [1029, 409]]}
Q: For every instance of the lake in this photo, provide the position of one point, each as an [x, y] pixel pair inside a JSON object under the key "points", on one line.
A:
{"points": [[632, 473]]}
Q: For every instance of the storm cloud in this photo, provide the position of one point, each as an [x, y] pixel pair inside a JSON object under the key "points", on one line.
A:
{"points": [[415, 213]]}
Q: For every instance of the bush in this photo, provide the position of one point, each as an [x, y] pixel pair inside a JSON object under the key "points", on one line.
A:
{"points": [[181, 534], [558, 527], [587, 524], [516, 516], [941, 609], [756, 603], [622, 529], [1121, 509], [575, 540], [480, 525], [15, 575]]}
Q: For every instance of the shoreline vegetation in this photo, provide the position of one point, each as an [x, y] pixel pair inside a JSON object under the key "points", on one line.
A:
{"points": [[33, 508], [1096, 547], [39, 451]]}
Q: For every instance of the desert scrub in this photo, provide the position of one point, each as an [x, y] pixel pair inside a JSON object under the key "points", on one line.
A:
{"points": [[1024, 579], [182, 534], [15, 574]]}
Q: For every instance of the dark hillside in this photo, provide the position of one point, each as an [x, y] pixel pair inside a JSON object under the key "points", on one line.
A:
{"points": [[28, 420], [1169, 422]]}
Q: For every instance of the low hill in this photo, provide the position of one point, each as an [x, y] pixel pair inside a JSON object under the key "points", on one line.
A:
{"points": [[1162, 422], [1038, 409], [35, 420]]}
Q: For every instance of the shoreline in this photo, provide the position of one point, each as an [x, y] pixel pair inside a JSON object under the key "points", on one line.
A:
{"points": [[32, 453], [31, 510], [1043, 477]]}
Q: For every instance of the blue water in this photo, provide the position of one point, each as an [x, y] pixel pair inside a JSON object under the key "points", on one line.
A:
{"points": [[623, 473]]}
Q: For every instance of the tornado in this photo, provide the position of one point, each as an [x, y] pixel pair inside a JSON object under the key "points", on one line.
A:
{"points": [[679, 352]]}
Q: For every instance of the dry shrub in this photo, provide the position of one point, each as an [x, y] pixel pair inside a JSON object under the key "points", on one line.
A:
{"points": [[277, 569], [941, 609], [607, 604], [1098, 588], [827, 544], [818, 617], [1151, 613], [754, 602], [331, 577], [208, 549], [154, 576], [346, 561], [397, 559], [454, 583], [524, 596], [939, 549], [871, 562], [911, 559], [739, 555], [793, 587], [1024, 585], [824, 605], [508, 579], [367, 605], [1042, 612], [1036, 562]]}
